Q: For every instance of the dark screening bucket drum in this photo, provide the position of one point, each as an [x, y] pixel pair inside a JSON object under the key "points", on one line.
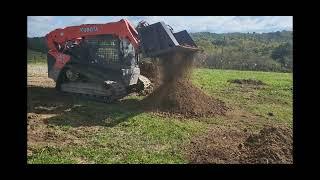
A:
{"points": [[157, 40]]}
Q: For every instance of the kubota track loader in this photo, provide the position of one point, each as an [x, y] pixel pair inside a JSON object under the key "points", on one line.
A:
{"points": [[101, 60]]}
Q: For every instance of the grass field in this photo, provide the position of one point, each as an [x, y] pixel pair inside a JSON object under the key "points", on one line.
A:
{"points": [[64, 129]]}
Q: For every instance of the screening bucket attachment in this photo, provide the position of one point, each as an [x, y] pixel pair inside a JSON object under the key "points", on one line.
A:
{"points": [[158, 39]]}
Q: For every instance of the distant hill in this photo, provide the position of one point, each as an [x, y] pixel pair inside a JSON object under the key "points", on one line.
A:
{"points": [[243, 51], [283, 36], [246, 51]]}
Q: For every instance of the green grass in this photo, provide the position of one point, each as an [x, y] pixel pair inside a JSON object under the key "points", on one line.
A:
{"points": [[51, 155], [142, 139], [274, 97], [122, 133]]}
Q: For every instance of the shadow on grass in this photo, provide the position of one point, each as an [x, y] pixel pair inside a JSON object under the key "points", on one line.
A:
{"points": [[75, 111], [46, 100]]}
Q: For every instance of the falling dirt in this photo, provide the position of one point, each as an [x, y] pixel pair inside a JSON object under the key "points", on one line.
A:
{"points": [[272, 145], [177, 95], [151, 69]]}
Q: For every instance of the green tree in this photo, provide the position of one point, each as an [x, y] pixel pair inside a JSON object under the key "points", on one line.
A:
{"points": [[283, 54]]}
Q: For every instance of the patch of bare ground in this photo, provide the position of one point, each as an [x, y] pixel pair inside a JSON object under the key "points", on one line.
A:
{"points": [[225, 145]]}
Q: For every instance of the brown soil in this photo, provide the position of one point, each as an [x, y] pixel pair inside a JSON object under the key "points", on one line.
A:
{"points": [[272, 145], [42, 134], [183, 98], [44, 102], [176, 94], [247, 81], [151, 70], [218, 146]]}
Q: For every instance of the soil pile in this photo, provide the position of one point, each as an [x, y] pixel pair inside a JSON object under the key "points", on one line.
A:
{"points": [[218, 146], [177, 95], [271, 145]]}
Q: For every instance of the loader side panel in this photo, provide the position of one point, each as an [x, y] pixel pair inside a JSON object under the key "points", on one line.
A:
{"points": [[56, 61], [53, 73], [50, 61]]}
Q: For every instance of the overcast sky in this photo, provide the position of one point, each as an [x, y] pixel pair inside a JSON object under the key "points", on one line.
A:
{"points": [[41, 25]]}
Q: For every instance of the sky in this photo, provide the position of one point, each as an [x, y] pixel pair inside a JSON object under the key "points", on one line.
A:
{"points": [[38, 26]]}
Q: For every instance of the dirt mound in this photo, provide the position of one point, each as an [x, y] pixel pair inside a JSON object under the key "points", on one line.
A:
{"points": [[183, 98], [272, 145], [247, 81], [177, 95], [218, 146]]}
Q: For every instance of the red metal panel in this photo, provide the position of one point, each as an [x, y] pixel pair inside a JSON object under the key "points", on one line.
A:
{"points": [[61, 59], [122, 29]]}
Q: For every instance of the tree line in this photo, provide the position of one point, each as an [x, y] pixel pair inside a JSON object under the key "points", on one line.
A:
{"points": [[245, 51], [241, 51]]}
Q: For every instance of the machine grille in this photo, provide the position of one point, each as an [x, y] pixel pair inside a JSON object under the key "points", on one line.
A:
{"points": [[104, 49]]}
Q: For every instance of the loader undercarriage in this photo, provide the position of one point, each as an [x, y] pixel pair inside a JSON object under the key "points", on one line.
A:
{"points": [[95, 91], [91, 85]]}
